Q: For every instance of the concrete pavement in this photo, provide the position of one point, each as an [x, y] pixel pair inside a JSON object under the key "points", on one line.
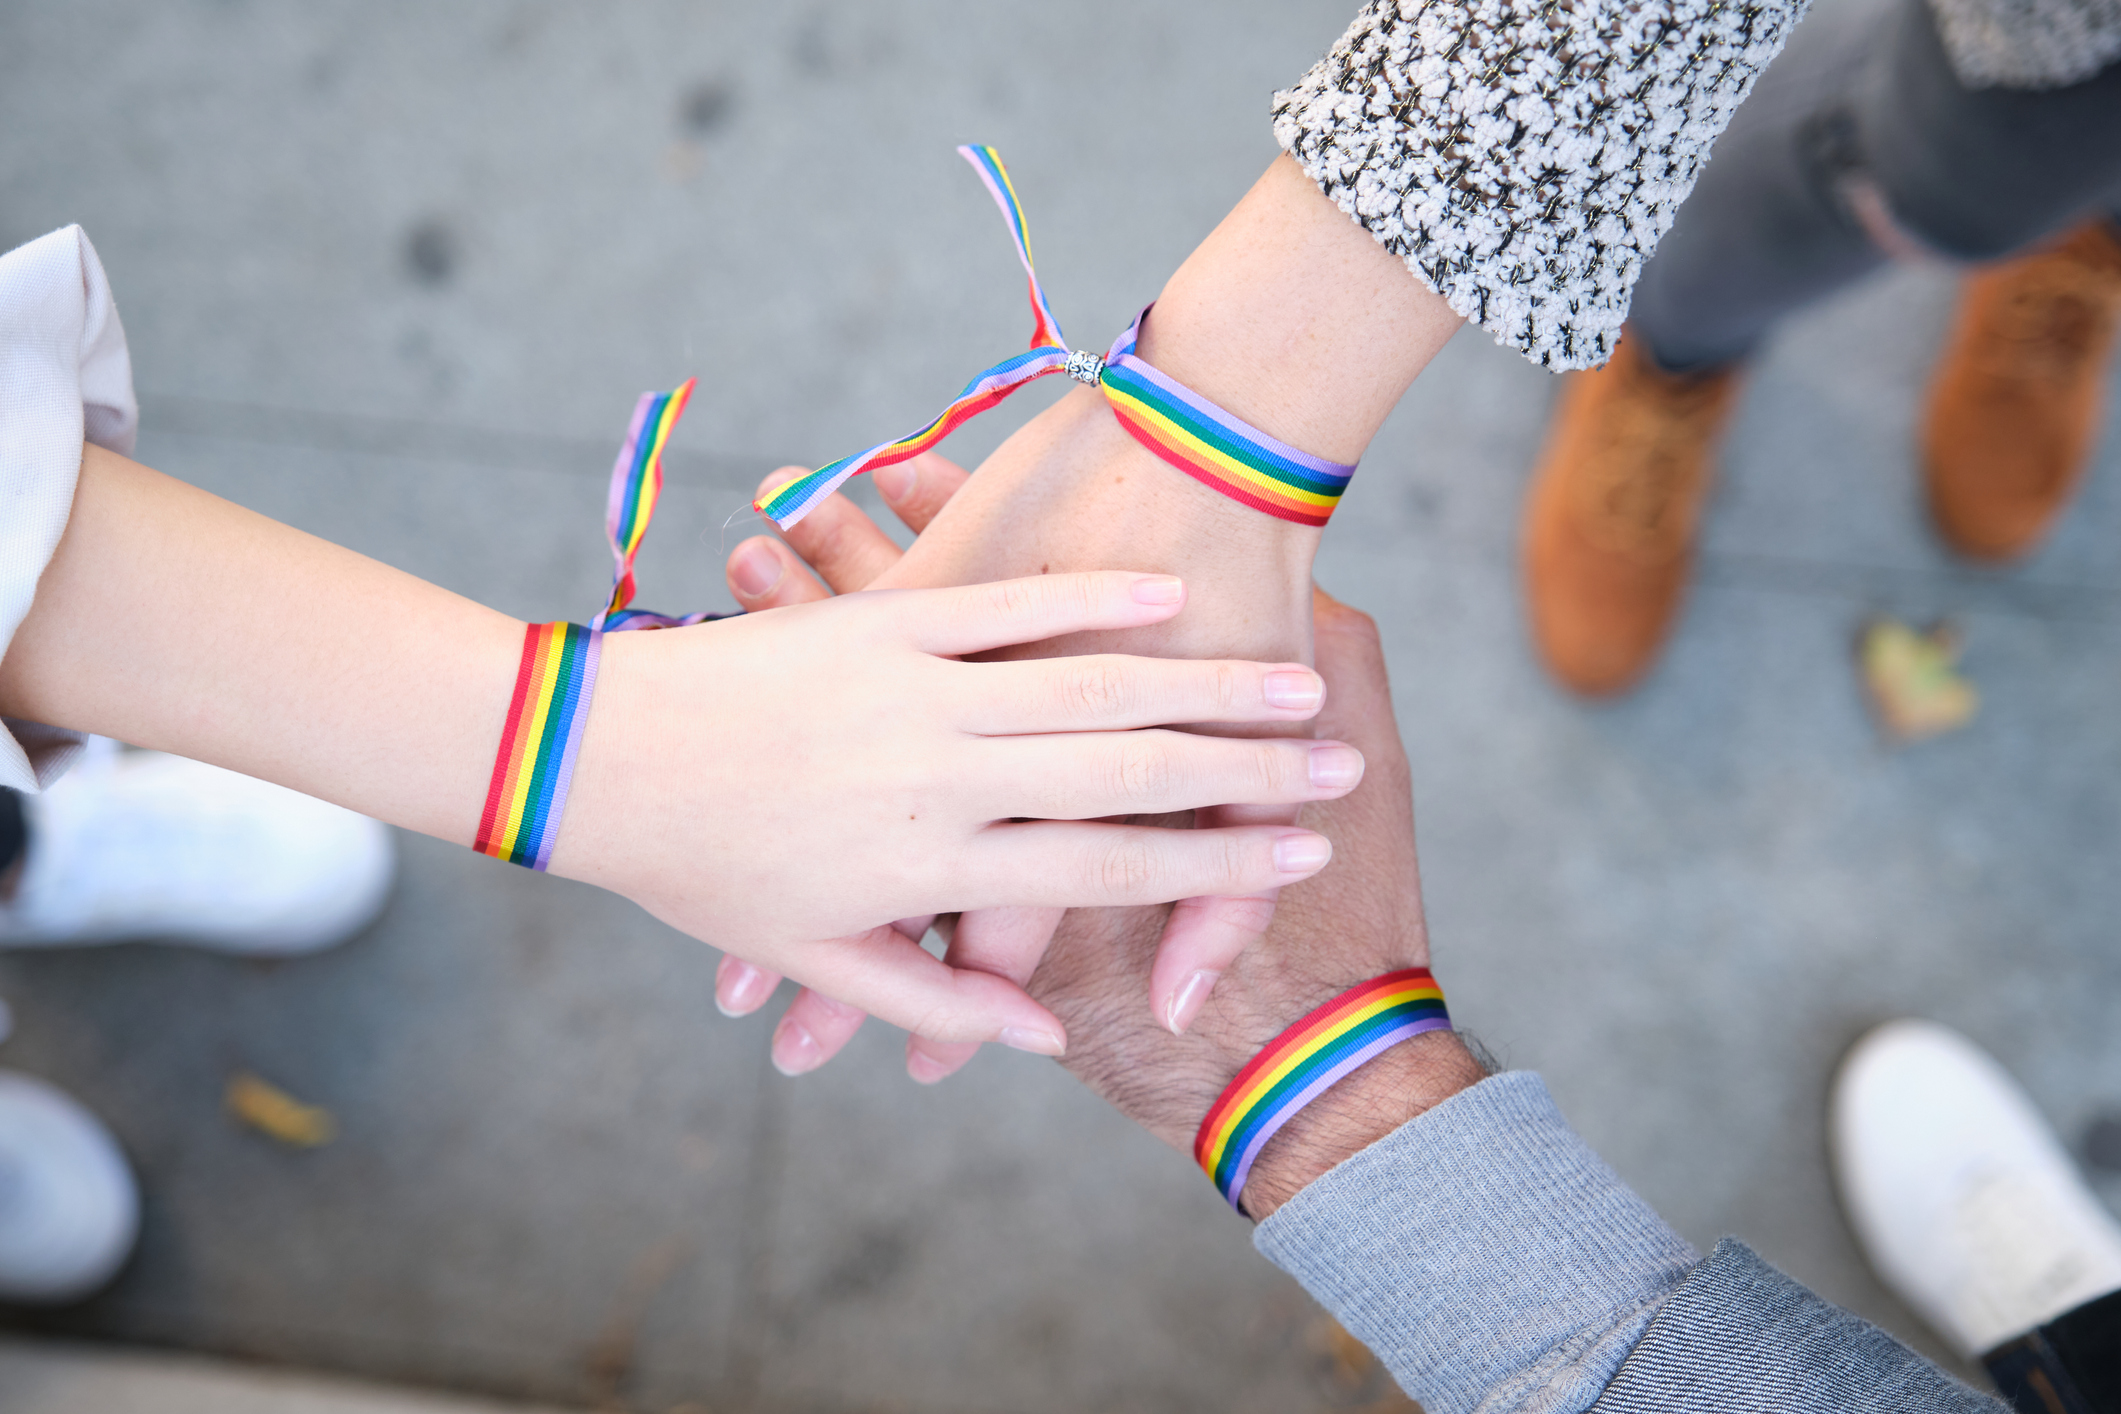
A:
{"points": [[395, 273]]}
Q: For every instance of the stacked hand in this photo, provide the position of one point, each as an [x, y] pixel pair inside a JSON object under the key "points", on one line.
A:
{"points": [[760, 783], [1329, 933], [1015, 511], [1293, 319]]}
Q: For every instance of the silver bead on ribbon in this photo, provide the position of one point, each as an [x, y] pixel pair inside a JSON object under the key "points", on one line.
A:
{"points": [[1085, 367]]}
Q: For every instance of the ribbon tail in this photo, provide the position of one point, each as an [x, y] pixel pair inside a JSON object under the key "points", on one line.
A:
{"points": [[790, 502], [988, 163], [636, 483], [621, 620]]}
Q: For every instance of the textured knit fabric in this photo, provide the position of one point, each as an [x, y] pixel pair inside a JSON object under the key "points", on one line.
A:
{"points": [[1494, 1263], [2029, 43], [1524, 157], [1487, 1256], [65, 376], [1740, 1336]]}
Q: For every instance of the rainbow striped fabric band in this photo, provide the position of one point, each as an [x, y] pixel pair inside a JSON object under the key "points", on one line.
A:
{"points": [[558, 673], [1303, 1062], [1181, 427], [528, 793]]}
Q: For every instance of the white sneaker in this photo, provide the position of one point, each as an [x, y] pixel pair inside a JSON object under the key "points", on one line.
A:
{"points": [[138, 845], [1964, 1200], [68, 1209]]}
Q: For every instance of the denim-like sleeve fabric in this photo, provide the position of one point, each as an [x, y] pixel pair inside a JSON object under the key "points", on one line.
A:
{"points": [[1485, 1253], [1496, 1264], [1742, 1336]]}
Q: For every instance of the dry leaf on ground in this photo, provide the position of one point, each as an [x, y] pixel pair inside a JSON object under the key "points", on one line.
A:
{"points": [[1912, 680], [276, 1114]]}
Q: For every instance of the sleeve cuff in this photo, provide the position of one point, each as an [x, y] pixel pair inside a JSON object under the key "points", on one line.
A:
{"points": [[1524, 160], [65, 378], [1485, 1253]]}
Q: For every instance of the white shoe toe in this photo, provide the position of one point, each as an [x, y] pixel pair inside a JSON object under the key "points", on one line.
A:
{"points": [[69, 1211]]}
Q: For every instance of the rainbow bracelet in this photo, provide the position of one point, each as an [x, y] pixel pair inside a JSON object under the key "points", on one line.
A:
{"points": [[1302, 1062], [1183, 428], [557, 675]]}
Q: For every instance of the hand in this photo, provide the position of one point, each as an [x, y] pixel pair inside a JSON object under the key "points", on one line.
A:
{"points": [[850, 552], [1327, 936], [762, 782], [1291, 317], [1294, 319], [820, 770]]}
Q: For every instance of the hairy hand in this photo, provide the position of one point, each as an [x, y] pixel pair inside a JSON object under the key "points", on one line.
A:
{"points": [[1330, 933], [1327, 936]]}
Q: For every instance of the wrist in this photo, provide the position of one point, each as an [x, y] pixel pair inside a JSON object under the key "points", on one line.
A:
{"points": [[1414, 1076], [1291, 316], [1072, 491]]}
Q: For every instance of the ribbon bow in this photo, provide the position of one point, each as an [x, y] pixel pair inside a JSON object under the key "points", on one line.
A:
{"points": [[1183, 428]]}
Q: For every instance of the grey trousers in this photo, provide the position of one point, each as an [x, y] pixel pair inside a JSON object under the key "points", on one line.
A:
{"points": [[1865, 92]]}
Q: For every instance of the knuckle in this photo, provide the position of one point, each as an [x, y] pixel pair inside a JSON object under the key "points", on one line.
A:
{"points": [[1016, 598], [1143, 770], [1129, 868], [1235, 860], [1226, 689], [1249, 915], [1280, 768], [1352, 623], [1096, 689]]}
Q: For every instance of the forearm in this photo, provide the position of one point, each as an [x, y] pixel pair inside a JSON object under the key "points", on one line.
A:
{"points": [[1494, 1262], [1294, 318], [175, 620]]}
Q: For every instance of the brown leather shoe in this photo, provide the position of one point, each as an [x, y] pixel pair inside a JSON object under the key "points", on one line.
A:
{"points": [[1609, 527], [2014, 410]]}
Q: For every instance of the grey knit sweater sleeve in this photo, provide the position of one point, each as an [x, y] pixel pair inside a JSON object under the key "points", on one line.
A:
{"points": [[1525, 156], [1498, 1266]]}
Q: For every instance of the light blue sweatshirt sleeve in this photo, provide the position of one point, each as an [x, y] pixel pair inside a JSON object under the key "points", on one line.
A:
{"points": [[1495, 1263]]}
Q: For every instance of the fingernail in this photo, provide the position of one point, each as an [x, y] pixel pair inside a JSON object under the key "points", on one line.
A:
{"points": [[1295, 689], [756, 570], [1027, 1038], [1159, 589], [1190, 999], [1301, 854], [1335, 767], [739, 988], [925, 1068], [895, 483], [795, 1050]]}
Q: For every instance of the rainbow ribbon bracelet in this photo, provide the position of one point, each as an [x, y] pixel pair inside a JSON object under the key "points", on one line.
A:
{"points": [[557, 675], [1183, 428], [1302, 1062]]}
